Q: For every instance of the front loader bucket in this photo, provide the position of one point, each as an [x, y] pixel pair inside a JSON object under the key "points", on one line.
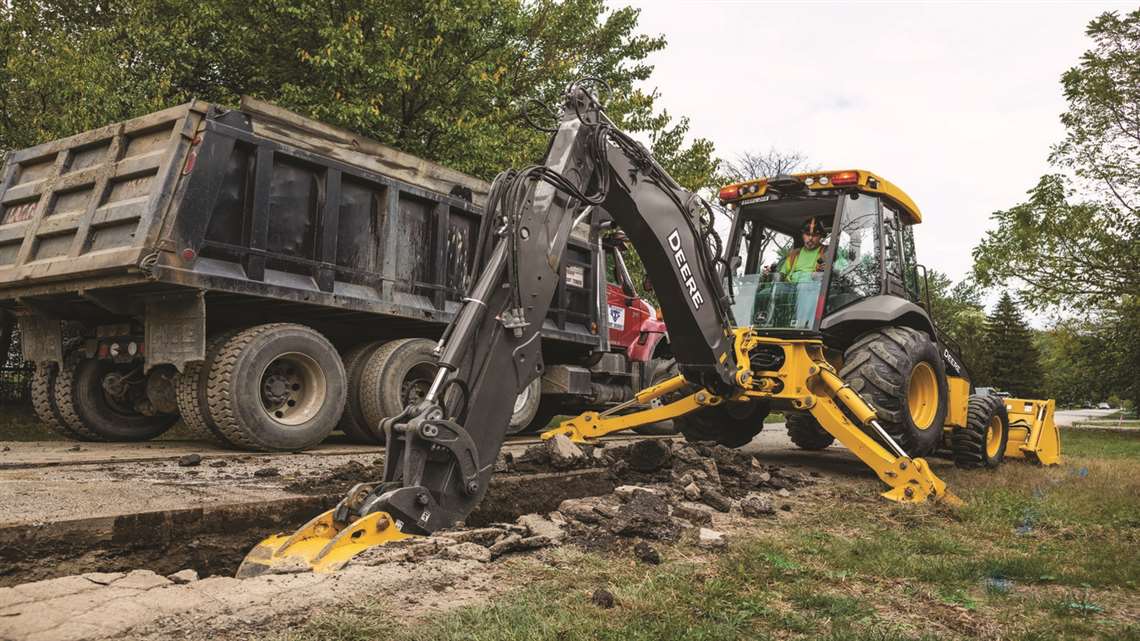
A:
{"points": [[1033, 434], [320, 545]]}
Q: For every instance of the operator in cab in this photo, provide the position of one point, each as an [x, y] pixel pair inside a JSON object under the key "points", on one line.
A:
{"points": [[804, 263]]}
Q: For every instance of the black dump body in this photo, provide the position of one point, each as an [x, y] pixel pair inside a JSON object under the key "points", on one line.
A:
{"points": [[270, 216]]}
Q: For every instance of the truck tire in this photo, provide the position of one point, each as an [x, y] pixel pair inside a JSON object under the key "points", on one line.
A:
{"points": [[548, 408], [88, 409], [731, 424], [276, 387], [899, 371], [352, 422], [43, 402], [526, 407], [190, 386], [981, 443], [806, 432], [398, 373]]}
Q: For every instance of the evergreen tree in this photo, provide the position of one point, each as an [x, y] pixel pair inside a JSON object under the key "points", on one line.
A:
{"points": [[1014, 363]]}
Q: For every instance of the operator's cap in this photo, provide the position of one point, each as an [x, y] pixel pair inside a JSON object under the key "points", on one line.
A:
{"points": [[813, 226]]}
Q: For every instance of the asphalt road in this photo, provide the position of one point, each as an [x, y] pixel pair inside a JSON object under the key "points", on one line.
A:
{"points": [[1068, 417]]}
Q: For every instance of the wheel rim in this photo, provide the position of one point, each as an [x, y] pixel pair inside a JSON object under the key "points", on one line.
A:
{"points": [[922, 395], [417, 383], [993, 437], [293, 389], [118, 378]]}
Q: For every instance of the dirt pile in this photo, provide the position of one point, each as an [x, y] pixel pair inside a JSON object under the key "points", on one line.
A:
{"points": [[668, 491]]}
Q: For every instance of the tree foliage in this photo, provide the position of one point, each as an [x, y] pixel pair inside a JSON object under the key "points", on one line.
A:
{"points": [[1014, 362], [958, 311], [443, 79], [1076, 241]]}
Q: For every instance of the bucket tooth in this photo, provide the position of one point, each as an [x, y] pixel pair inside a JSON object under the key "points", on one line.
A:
{"points": [[321, 545]]}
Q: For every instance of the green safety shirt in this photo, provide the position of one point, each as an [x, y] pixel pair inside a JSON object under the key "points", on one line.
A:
{"points": [[806, 263]]}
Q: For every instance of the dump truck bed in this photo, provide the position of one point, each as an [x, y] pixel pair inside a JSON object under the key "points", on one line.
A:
{"points": [[251, 205]]}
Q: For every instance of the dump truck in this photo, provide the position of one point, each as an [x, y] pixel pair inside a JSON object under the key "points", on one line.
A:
{"points": [[269, 279]]}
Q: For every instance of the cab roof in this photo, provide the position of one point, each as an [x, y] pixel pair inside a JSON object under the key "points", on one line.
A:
{"points": [[823, 183]]}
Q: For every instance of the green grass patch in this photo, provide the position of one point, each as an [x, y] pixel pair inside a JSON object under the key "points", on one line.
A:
{"points": [[1100, 444]]}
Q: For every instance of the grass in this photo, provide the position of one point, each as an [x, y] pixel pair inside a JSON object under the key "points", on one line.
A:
{"points": [[1035, 555]]}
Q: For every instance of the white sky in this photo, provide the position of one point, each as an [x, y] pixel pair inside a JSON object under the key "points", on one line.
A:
{"points": [[956, 103]]}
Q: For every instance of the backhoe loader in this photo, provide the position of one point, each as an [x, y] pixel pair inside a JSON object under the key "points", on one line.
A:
{"points": [[739, 351]]}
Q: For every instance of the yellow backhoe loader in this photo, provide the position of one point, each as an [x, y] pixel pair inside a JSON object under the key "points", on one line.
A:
{"points": [[747, 336]]}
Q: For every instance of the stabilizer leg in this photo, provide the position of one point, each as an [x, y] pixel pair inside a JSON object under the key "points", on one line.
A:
{"points": [[911, 480]]}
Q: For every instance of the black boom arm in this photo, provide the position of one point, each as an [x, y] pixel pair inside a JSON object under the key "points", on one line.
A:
{"points": [[441, 451]]}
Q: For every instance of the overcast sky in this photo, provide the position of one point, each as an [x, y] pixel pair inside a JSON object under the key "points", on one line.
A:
{"points": [[956, 103]]}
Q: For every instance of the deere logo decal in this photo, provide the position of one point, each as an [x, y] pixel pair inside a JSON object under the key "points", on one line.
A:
{"points": [[683, 266]]}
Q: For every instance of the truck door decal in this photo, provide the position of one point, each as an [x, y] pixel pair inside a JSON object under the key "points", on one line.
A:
{"points": [[617, 317]]}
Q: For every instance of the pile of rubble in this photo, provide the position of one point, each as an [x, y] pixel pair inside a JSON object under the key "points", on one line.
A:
{"points": [[666, 491]]}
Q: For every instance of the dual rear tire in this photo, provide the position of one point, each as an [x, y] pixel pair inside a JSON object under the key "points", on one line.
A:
{"points": [[98, 400], [274, 387]]}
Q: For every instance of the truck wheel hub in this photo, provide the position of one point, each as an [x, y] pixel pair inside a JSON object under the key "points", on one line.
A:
{"points": [[293, 389]]}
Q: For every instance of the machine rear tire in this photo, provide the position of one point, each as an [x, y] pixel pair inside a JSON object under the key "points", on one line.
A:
{"points": [[899, 371], [398, 373], [352, 422], [43, 402], [86, 408], [730, 424], [806, 432], [982, 442], [276, 387]]}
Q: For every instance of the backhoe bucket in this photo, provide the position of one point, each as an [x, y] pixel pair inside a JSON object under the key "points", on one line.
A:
{"points": [[1033, 434], [320, 545]]}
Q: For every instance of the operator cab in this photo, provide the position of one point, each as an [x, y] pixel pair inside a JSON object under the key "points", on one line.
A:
{"points": [[866, 248]]}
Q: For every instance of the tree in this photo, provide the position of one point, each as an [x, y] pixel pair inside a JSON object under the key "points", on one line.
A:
{"points": [[773, 162], [445, 79], [1014, 362], [1076, 241]]}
